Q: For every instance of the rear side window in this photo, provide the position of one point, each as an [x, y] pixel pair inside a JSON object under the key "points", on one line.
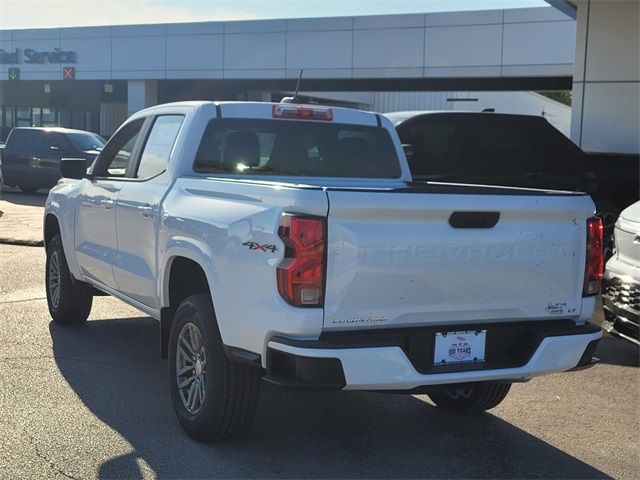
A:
{"points": [[157, 150], [296, 148], [53, 143], [24, 142]]}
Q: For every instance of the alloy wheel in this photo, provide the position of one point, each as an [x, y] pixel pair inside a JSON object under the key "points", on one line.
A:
{"points": [[191, 368], [54, 279]]}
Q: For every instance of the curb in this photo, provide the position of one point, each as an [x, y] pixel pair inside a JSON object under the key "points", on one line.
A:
{"points": [[21, 242]]}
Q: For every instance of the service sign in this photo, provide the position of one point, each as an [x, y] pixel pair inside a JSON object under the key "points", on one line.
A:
{"points": [[34, 57]]}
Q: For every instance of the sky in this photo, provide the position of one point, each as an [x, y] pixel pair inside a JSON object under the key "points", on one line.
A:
{"points": [[69, 13]]}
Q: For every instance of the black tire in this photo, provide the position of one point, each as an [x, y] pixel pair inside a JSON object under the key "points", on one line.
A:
{"points": [[72, 303], [29, 188], [230, 388], [469, 397]]}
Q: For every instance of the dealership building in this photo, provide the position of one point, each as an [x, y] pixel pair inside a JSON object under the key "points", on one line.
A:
{"points": [[94, 77]]}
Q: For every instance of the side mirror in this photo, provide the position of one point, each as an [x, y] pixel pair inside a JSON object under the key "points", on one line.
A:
{"points": [[408, 150], [73, 168]]}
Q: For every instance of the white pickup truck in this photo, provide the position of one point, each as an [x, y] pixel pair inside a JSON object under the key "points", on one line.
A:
{"points": [[288, 242]]}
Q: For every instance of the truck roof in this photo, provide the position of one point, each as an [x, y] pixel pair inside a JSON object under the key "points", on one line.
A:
{"points": [[400, 117], [257, 110], [55, 129]]}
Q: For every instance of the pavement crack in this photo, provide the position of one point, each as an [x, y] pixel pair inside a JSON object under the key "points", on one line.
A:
{"points": [[49, 461], [40, 454], [2, 302]]}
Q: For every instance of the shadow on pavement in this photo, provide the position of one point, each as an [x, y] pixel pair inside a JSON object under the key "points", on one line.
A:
{"points": [[26, 199], [616, 351], [115, 369]]}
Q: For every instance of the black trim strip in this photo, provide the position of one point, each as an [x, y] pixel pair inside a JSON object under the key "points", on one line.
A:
{"points": [[379, 120], [365, 338], [241, 355], [218, 111]]}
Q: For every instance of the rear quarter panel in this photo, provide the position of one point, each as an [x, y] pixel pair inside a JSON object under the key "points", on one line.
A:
{"points": [[210, 221]]}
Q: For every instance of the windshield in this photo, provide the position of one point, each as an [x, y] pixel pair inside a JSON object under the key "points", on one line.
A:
{"points": [[85, 141], [296, 148]]}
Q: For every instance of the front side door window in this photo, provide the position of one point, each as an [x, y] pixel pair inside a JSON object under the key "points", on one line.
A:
{"points": [[117, 156]]}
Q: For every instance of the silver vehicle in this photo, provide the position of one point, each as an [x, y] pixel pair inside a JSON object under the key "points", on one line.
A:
{"points": [[621, 282]]}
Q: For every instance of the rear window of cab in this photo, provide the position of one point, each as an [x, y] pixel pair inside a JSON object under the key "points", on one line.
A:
{"points": [[296, 148]]}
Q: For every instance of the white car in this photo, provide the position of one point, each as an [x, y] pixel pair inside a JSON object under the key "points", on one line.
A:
{"points": [[288, 242], [621, 283]]}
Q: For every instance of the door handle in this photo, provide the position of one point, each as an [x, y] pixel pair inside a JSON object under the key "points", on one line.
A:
{"points": [[108, 204], [147, 211]]}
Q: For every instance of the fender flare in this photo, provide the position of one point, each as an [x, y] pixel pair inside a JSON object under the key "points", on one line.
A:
{"points": [[196, 251], [192, 249], [67, 235]]}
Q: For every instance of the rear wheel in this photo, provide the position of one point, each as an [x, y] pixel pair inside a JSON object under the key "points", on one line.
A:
{"points": [[214, 397], [469, 397], [69, 299]]}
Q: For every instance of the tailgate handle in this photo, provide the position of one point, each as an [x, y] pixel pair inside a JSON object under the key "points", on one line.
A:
{"points": [[474, 219]]}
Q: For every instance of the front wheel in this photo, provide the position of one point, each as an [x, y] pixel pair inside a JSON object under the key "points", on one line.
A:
{"points": [[214, 397], [469, 397], [69, 299]]}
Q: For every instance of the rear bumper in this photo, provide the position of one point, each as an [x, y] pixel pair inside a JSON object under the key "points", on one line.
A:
{"points": [[340, 364], [621, 300]]}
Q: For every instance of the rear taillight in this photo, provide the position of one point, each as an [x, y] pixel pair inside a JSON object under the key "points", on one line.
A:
{"points": [[301, 273], [595, 257]]}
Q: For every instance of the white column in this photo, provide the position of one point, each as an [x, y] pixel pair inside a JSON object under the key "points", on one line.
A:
{"points": [[606, 81], [141, 94]]}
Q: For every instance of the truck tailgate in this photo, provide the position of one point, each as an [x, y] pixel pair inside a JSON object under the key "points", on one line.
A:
{"points": [[395, 260]]}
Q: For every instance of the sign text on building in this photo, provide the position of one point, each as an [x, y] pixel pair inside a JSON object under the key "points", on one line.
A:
{"points": [[29, 55]]}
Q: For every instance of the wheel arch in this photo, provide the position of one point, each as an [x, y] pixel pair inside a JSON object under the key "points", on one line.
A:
{"points": [[51, 228], [187, 270]]}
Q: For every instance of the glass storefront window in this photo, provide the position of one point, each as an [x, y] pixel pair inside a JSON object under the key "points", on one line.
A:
{"points": [[36, 117], [10, 117], [49, 117], [23, 114], [44, 117]]}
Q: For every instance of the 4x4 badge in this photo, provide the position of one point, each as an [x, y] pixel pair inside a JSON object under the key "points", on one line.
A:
{"points": [[261, 246]]}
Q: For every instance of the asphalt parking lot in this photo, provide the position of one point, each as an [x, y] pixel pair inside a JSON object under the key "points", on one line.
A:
{"points": [[92, 402]]}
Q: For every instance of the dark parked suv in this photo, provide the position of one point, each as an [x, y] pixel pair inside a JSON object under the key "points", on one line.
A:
{"points": [[31, 156], [499, 149], [491, 149]]}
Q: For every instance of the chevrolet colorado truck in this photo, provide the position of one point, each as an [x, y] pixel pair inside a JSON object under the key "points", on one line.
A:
{"points": [[288, 243]]}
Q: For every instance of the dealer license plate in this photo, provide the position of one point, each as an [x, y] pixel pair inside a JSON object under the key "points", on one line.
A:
{"points": [[459, 347]]}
